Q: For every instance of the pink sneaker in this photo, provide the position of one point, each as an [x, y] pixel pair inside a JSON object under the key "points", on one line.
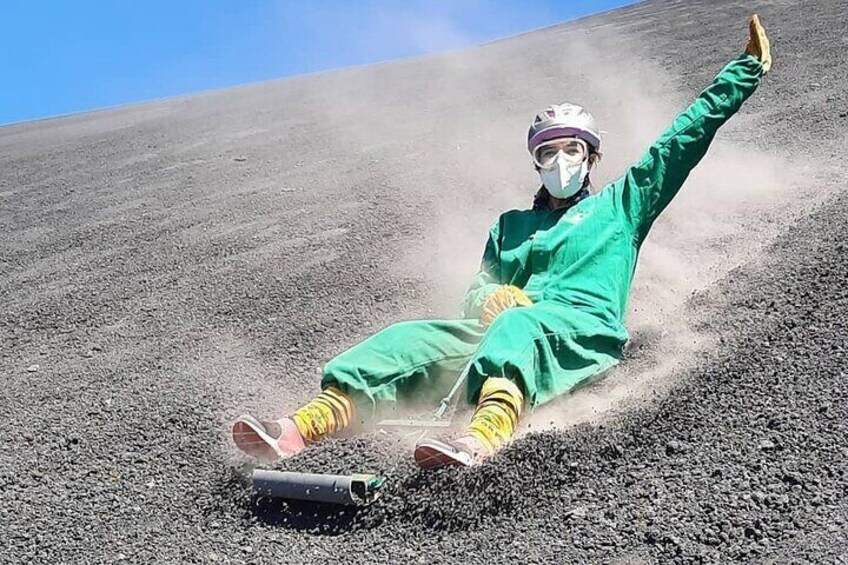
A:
{"points": [[267, 440], [465, 451]]}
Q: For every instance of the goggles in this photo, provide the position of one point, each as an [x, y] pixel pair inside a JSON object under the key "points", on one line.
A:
{"points": [[574, 151]]}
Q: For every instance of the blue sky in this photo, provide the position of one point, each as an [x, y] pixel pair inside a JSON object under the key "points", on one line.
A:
{"points": [[61, 56]]}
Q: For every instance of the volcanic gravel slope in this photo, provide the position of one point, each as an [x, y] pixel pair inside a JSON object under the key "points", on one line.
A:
{"points": [[167, 265]]}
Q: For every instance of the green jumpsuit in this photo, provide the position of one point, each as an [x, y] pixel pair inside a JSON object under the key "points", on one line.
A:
{"points": [[576, 264]]}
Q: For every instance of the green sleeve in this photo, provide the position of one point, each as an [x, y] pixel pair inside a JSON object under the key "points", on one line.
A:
{"points": [[486, 281], [648, 186]]}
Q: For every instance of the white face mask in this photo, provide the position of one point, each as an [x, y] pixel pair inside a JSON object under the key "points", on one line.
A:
{"points": [[563, 179]]}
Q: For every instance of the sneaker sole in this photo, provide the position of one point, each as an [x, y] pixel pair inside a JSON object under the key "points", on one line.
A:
{"points": [[250, 437], [435, 454]]}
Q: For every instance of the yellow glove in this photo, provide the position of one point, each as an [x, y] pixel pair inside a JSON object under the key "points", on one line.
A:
{"points": [[758, 43], [503, 298]]}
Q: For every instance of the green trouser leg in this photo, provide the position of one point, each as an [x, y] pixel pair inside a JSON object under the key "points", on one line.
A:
{"points": [[409, 361], [547, 348]]}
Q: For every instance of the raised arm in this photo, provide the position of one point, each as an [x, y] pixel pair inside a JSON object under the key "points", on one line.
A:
{"points": [[648, 186]]}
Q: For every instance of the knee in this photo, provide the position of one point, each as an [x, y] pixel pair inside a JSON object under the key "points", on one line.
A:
{"points": [[389, 346], [509, 340], [515, 321]]}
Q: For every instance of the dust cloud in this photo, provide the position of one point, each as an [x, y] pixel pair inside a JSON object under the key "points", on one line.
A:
{"points": [[732, 204], [438, 144]]}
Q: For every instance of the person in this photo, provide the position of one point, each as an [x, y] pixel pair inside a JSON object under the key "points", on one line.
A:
{"points": [[546, 310]]}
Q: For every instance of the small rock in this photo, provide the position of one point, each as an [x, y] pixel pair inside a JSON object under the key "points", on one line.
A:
{"points": [[576, 512], [792, 478], [752, 532], [673, 447], [613, 450], [673, 540], [32, 368], [779, 499], [766, 445]]}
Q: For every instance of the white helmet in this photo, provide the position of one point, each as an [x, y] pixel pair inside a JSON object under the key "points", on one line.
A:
{"points": [[564, 120]]}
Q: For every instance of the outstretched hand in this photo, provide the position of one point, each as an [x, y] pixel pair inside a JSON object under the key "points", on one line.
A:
{"points": [[758, 43]]}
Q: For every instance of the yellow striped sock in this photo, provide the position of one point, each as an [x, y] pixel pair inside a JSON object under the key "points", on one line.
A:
{"points": [[497, 414], [328, 413]]}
